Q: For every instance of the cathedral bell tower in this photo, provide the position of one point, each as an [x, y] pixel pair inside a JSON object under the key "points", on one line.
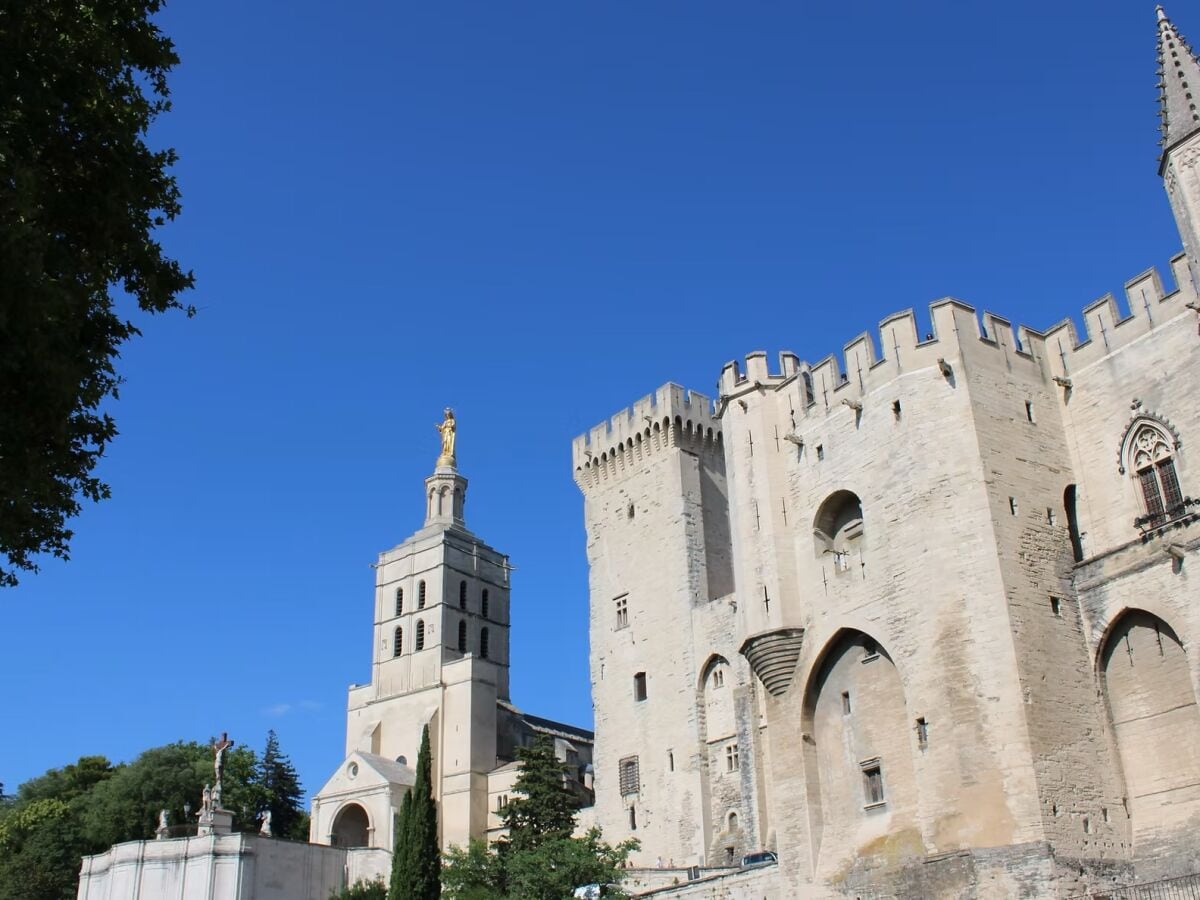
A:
{"points": [[1179, 86], [439, 660]]}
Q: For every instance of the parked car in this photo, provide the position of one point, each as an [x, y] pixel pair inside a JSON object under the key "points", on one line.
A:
{"points": [[762, 858]]}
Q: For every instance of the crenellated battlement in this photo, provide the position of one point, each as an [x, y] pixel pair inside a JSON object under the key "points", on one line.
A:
{"points": [[899, 347], [670, 417]]}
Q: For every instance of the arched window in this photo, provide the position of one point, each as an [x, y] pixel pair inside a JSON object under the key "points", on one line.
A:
{"points": [[420, 635], [462, 637], [398, 642], [483, 606], [732, 821], [1153, 465], [483, 644], [838, 527], [421, 595], [399, 601], [462, 595]]}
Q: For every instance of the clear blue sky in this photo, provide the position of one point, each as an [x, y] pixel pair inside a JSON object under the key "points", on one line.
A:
{"points": [[535, 213]]}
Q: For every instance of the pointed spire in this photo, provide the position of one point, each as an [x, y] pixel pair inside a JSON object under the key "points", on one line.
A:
{"points": [[1178, 84]]}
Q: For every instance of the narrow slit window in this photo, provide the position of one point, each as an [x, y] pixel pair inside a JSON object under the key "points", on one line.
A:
{"points": [[922, 733], [845, 703], [462, 637], [483, 644], [1029, 412], [896, 409], [639, 686], [462, 595], [484, 605], [1056, 606], [1012, 506]]}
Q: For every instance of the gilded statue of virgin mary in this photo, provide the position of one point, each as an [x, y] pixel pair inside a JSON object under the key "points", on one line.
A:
{"points": [[447, 427]]}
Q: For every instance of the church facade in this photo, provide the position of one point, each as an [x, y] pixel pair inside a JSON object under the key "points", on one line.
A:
{"points": [[921, 617]]}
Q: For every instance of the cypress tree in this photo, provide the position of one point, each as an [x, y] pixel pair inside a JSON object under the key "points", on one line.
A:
{"points": [[416, 859]]}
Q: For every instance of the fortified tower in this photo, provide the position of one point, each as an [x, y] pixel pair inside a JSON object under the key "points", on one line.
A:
{"points": [[676, 710], [440, 658]]}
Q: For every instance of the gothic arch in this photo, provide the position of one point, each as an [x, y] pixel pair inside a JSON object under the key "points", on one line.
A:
{"points": [[1136, 424], [1155, 722], [351, 827], [858, 761], [838, 525]]}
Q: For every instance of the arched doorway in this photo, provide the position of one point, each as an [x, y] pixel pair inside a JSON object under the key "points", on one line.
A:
{"points": [[858, 755], [351, 827], [1155, 721]]}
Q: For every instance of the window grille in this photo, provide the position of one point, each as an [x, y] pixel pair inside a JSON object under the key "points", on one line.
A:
{"points": [[421, 595], [398, 642], [399, 601], [420, 635], [629, 778]]}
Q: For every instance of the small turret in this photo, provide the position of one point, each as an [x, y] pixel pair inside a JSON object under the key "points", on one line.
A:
{"points": [[1178, 82]]}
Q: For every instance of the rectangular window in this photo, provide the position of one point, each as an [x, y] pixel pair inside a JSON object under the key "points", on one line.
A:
{"points": [[1172, 496], [1029, 412], [628, 776], [922, 733], [845, 703], [1051, 518], [623, 612], [1154, 504], [639, 686], [731, 757], [872, 782], [1056, 606]]}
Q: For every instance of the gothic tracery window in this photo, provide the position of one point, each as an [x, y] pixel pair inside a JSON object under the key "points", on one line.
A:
{"points": [[1153, 465]]}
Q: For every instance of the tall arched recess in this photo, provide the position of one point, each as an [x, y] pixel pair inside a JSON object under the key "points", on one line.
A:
{"points": [[351, 827], [858, 755], [1156, 724]]}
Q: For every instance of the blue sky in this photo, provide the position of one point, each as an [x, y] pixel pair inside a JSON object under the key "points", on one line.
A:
{"points": [[535, 213]]}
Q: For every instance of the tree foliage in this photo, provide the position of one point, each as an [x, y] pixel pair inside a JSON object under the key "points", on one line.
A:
{"points": [[89, 805], [282, 794], [539, 859], [416, 858], [80, 196], [362, 890]]}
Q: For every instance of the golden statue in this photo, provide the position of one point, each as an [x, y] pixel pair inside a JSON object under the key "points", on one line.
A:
{"points": [[447, 427]]}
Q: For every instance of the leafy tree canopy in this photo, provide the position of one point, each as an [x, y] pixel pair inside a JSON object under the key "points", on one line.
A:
{"points": [[81, 194], [88, 806], [539, 859]]}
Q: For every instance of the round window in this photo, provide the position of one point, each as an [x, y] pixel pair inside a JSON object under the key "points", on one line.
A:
{"points": [[352, 770]]}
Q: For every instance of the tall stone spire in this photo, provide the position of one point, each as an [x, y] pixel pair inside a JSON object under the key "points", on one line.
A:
{"points": [[1178, 81]]}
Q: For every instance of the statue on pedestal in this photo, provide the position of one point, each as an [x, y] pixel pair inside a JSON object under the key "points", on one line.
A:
{"points": [[265, 828], [447, 427], [163, 829]]}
